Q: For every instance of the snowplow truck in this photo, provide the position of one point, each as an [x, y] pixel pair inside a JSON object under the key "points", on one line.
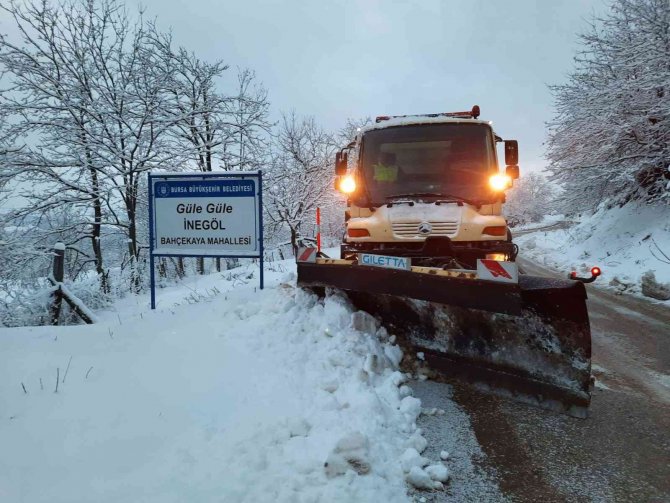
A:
{"points": [[428, 252]]}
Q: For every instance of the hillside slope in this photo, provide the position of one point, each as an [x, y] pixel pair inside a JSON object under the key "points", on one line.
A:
{"points": [[624, 242]]}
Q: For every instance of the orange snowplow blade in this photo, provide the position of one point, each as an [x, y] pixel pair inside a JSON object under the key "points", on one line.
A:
{"points": [[530, 340]]}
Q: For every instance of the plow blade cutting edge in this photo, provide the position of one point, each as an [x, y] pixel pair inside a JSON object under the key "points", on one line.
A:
{"points": [[530, 340]]}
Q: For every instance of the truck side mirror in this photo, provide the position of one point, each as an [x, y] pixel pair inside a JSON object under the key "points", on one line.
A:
{"points": [[341, 162], [512, 172], [511, 152]]}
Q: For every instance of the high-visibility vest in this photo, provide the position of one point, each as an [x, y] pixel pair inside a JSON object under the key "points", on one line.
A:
{"points": [[385, 173]]}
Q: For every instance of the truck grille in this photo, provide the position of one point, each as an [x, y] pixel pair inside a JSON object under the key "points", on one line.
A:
{"points": [[411, 229]]}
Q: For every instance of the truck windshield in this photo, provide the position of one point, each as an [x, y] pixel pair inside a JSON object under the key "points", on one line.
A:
{"points": [[428, 161]]}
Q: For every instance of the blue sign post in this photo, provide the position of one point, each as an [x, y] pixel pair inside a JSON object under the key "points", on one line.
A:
{"points": [[217, 215]]}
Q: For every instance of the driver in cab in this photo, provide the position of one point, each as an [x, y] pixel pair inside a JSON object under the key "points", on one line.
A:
{"points": [[386, 169]]}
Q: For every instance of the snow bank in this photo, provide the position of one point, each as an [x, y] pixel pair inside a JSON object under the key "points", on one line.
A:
{"points": [[225, 393], [625, 242]]}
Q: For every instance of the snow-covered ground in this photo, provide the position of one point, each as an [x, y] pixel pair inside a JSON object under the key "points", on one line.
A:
{"points": [[224, 393], [624, 242]]}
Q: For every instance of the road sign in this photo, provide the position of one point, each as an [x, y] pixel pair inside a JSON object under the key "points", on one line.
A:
{"points": [[212, 216], [205, 215]]}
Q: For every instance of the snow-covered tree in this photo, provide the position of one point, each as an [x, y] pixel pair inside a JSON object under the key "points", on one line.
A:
{"points": [[96, 99], [248, 126], [199, 129], [351, 128], [47, 106], [531, 198], [610, 139], [300, 178]]}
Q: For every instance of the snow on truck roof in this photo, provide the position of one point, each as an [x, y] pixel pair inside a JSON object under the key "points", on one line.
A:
{"points": [[421, 119], [467, 117]]}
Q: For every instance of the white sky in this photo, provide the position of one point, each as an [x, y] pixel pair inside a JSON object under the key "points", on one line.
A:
{"points": [[335, 59], [356, 58]]}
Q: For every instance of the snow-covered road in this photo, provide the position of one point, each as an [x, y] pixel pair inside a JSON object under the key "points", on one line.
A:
{"points": [[227, 393], [621, 452]]}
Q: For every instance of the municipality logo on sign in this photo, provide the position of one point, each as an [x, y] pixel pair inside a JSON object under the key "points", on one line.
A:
{"points": [[162, 189]]}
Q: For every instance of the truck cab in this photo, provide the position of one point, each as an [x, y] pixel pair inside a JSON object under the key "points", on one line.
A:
{"points": [[427, 186]]}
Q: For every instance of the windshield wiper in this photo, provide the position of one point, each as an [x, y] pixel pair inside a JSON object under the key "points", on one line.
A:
{"points": [[409, 202], [450, 198], [446, 198], [403, 201], [415, 194]]}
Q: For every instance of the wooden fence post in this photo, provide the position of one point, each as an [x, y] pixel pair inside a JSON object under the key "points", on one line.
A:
{"points": [[162, 267], [57, 273]]}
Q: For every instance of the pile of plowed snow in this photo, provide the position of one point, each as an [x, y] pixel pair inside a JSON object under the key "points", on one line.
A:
{"points": [[224, 393]]}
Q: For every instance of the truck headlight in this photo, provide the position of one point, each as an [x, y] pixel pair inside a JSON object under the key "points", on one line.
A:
{"points": [[500, 182], [347, 184]]}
